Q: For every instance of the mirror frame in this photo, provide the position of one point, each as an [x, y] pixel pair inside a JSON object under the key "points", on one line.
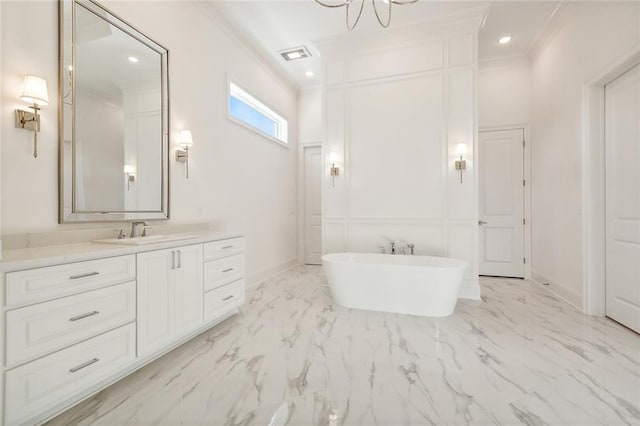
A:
{"points": [[66, 190]]}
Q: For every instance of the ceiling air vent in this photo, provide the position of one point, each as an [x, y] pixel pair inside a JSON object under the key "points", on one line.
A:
{"points": [[295, 53]]}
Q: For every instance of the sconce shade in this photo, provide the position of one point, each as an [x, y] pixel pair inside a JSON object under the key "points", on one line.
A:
{"points": [[35, 91], [333, 157], [129, 169], [184, 139], [461, 149]]}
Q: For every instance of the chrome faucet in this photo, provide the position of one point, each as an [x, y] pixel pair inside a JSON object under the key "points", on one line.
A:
{"points": [[411, 248], [393, 247], [134, 227]]}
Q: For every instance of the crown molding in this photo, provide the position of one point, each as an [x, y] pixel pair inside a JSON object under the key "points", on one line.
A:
{"points": [[249, 44], [549, 30], [344, 45]]}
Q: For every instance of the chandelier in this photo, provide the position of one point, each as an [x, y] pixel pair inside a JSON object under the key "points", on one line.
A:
{"points": [[347, 3]]}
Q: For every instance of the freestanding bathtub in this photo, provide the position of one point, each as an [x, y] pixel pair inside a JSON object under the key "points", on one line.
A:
{"points": [[414, 285]]}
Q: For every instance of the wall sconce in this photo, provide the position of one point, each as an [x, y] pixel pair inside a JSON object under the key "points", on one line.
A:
{"points": [[186, 142], [130, 172], [34, 91], [461, 164], [335, 171]]}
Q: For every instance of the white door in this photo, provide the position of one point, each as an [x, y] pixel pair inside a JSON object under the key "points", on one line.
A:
{"points": [[189, 291], [313, 205], [501, 216], [622, 145], [155, 300]]}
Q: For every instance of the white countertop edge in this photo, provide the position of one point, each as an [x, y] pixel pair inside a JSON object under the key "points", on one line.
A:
{"points": [[38, 257]]}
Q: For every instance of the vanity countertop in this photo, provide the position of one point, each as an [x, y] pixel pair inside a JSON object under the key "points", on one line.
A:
{"points": [[37, 257]]}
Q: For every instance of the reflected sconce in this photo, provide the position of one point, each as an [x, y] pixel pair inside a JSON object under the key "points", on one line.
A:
{"points": [[185, 140], [335, 171], [130, 172], [461, 164], [34, 91]]}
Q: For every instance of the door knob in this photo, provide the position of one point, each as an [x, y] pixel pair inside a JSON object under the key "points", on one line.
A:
{"points": [[482, 222]]}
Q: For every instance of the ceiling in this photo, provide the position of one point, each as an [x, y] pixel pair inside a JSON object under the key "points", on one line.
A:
{"points": [[522, 20], [272, 26]]}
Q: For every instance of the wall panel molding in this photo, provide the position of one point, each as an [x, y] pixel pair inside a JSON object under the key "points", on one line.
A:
{"points": [[400, 124]]}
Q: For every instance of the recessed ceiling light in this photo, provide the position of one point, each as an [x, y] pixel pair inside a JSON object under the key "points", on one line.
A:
{"points": [[504, 39], [133, 59], [309, 74], [295, 53]]}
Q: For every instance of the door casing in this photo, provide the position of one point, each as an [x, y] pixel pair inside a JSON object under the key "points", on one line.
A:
{"points": [[302, 243], [593, 183], [527, 188]]}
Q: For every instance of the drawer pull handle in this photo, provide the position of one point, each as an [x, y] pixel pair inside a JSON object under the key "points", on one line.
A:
{"points": [[228, 270], [227, 247], [84, 365], [83, 316], [227, 298], [88, 274]]}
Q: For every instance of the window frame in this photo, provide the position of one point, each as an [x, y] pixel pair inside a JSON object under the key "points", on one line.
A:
{"points": [[282, 123]]}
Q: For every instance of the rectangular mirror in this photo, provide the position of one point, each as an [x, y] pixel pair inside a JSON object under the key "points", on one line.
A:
{"points": [[114, 118]]}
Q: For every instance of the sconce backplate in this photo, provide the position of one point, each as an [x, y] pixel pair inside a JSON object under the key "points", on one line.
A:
{"points": [[27, 120], [182, 155]]}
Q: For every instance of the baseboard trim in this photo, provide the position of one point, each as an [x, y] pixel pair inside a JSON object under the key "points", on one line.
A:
{"points": [[258, 278], [470, 290], [558, 290]]}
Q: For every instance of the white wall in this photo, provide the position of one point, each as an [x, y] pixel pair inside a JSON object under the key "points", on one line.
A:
{"points": [[590, 37], [310, 115], [239, 181], [394, 117], [504, 92], [2, 111]]}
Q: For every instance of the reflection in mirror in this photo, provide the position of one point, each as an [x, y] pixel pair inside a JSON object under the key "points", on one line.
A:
{"points": [[115, 118]]}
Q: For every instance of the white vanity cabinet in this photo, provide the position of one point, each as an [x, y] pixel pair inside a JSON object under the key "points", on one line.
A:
{"points": [[223, 276], [77, 321], [170, 295], [67, 328]]}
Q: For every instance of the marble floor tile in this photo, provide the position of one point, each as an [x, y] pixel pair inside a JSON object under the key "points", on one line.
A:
{"points": [[519, 356]]}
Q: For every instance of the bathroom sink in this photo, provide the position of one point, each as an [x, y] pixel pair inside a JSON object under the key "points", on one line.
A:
{"points": [[151, 239]]}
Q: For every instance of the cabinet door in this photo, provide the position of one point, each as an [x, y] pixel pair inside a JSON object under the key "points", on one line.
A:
{"points": [[155, 300], [188, 289]]}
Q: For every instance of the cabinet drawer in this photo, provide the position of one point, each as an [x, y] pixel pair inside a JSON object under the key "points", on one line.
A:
{"points": [[223, 271], [218, 249], [46, 327], [42, 384], [36, 285], [224, 298]]}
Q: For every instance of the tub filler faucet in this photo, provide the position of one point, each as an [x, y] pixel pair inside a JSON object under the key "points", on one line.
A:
{"points": [[383, 249]]}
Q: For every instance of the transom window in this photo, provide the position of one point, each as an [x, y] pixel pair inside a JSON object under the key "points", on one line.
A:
{"points": [[250, 112]]}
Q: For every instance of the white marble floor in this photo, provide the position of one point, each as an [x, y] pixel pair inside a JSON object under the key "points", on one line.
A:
{"points": [[519, 356]]}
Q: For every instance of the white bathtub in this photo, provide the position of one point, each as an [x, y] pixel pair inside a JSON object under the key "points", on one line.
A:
{"points": [[414, 285]]}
